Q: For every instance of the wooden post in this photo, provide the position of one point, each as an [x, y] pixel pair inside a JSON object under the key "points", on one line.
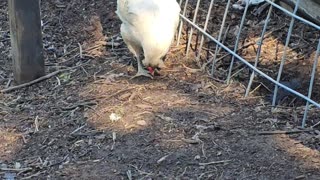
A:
{"points": [[26, 40]]}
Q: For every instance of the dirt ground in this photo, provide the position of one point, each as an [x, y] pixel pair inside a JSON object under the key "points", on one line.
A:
{"points": [[93, 121]]}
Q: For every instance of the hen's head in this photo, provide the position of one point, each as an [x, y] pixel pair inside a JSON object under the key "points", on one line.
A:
{"points": [[154, 65]]}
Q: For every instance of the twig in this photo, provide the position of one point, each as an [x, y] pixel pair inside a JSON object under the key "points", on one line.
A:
{"points": [[78, 129], [283, 132], [78, 105], [255, 89], [98, 45], [15, 169], [163, 158], [116, 69], [202, 149], [191, 141], [59, 82], [59, 162], [191, 69], [80, 50], [140, 171], [9, 82], [315, 125], [34, 175], [238, 72], [216, 79], [69, 52], [203, 174], [114, 137], [214, 162], [84, 70], [182, 174], [115, 94], [129, 174], [66, 60], [92, 133], [113, 44], [211, 59], [36, 123], [34, 81]]}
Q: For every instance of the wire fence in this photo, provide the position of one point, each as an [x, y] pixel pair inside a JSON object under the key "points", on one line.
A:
{"points": [[207, 22]]}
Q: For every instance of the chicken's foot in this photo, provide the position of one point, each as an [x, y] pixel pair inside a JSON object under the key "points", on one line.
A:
{"points": [[141, 71]]}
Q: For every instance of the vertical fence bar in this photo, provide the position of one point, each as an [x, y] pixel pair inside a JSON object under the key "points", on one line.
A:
{"points": [[284, 53], [260, 43], [180, 3], [219, 38], [237, 41], [181, 22], [191, 30], [314, 70], [205, 29]]}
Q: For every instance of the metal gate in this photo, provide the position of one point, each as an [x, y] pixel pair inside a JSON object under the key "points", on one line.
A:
{"points": [[197, 17]]}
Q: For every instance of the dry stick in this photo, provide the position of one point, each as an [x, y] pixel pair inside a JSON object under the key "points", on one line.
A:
{"points": [[68, 108], [182, 174], [94, 47], [129, 174], [80, 49], [36, 123], [214, 162], [15, 169], [163, 158], [32, 82], [36, 80], [78, 129], [9, 82], [315, 125], [140, 171], [116, 69], [69, 52], [283, 132], [115, 94], [33, 175]]}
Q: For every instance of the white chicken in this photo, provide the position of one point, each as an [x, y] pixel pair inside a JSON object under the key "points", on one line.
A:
{"points": [[148, 27]]}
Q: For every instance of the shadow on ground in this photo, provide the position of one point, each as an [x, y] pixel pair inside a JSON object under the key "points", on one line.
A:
{"points": [[182, 125]]}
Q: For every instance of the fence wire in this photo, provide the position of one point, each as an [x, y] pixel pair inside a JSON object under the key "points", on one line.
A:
{"points": [[198, 14]]}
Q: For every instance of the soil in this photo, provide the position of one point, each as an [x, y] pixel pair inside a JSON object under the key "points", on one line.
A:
{"points": [[94, 122]]}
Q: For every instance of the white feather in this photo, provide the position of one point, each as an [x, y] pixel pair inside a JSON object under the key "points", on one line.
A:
{"points": [[148, 26]]}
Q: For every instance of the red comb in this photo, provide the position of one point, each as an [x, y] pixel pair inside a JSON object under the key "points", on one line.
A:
{"points": [[151, 70]]}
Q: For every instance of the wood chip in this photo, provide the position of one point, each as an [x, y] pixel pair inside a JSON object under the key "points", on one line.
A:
{"points": [[191, 141], [144, 106], [142, 122], [162, 159]]}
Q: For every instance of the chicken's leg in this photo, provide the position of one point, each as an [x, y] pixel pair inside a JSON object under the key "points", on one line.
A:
{"points": [[141, 70]]}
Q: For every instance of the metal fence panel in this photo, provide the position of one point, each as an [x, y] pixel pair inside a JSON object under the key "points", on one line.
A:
{"points": [[190, 18]]}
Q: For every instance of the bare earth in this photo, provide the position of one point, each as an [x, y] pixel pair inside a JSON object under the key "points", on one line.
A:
{"points": [[181, 125]]}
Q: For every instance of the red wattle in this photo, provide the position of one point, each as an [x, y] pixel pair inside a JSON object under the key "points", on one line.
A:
{"points": [[150, 70]]}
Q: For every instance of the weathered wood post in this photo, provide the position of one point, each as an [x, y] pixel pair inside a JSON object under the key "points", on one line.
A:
{"points": [[26, 40]]}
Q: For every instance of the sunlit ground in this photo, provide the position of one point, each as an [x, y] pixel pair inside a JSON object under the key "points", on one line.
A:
{"points": [[10, 143], [309, 158]]}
